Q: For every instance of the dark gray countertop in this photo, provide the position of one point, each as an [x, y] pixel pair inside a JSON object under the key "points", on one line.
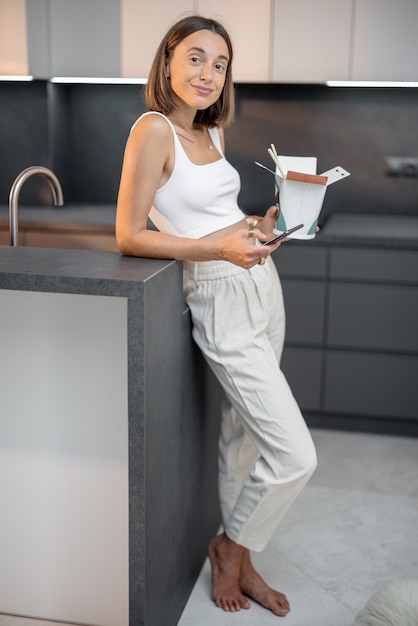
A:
{"points": [[397, 231], [75, 271]]}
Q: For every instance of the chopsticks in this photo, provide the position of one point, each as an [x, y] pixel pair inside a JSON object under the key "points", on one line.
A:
{"points": [[265, 168], [273, 153]]}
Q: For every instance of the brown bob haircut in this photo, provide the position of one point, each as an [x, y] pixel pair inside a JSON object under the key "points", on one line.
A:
{"points": [[158, 92]]}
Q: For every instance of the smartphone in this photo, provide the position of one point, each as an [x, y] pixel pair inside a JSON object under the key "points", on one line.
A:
{"points": [[282, 235]]}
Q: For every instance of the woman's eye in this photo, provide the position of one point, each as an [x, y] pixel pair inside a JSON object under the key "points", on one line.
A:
{"points": [[195, 60], [220, 67]]}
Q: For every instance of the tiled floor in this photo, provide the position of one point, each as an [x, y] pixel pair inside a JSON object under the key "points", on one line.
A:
{"points": [[353, 529]]}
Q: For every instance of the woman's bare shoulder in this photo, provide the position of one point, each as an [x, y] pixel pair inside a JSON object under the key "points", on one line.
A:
{"points": [[152, 125]]}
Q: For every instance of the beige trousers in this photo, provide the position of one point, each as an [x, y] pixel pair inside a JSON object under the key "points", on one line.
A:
{"points": [[266, 453]]}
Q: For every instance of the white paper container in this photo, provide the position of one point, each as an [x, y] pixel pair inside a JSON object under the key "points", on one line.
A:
{"points": [[301, 202]]}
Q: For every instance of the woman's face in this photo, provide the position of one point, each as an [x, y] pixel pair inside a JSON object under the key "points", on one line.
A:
{"points": [[198, 67]]}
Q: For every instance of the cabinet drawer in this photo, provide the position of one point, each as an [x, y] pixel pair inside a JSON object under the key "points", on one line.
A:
{"points": [[400, 266], [302, 260], [305, 305], [370, 384], [302, 369], [376, 317]]}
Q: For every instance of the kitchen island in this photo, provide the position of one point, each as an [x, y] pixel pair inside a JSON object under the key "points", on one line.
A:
{"points": [[108, 439]]}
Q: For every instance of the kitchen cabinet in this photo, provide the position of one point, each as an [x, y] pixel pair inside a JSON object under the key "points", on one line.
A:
{"points": [[251, 36], [311, 40], [274, 40], [344, 40], [76, 38], [372, 335], [302, 269], [351, 350], [385, 45], [143, 24], [64, 452], [13, 46], [249, 24]]}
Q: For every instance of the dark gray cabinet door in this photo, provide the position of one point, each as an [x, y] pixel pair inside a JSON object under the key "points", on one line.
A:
{"points": [[373, 317], [303, 370], [381, 385]]}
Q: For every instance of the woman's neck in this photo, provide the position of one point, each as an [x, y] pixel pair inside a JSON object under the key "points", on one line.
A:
{"points": [[183, 118]]}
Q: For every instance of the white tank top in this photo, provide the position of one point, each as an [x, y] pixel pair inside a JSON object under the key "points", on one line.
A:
{"points": [[197, 199]]}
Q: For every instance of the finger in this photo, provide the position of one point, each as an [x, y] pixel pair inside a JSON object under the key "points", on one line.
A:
{"points": [[272, 211], [260, 235]]}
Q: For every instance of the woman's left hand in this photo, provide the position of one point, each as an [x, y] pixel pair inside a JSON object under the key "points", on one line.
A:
{"points": [[266, 225]]}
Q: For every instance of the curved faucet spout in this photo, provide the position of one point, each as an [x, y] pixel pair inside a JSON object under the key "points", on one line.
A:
{"points": [[15, 191]]}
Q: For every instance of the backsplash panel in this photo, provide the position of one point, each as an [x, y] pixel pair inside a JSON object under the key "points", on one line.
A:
{"points": [[80, 131], [23, 136], [352, 127]]}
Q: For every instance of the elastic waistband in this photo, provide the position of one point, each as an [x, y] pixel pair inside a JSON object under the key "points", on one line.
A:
{"points": [[213, 270]]}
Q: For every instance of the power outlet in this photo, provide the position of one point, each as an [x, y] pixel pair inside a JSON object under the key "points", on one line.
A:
{"points": [[402, 166]]}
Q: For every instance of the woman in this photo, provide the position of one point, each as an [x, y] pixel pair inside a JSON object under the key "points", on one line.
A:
{"points": [[175, 172]]}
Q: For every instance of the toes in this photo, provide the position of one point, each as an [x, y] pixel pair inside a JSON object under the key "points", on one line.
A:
{"points": [[244, 603], [232, 605], [283, 607]]}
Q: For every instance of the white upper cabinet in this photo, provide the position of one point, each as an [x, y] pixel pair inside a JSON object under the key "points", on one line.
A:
{"points": [[385, 40], [143, 25], [311, 40], [345, 40], [77, 38], [13, 46], [289, 41], [249, 25]]}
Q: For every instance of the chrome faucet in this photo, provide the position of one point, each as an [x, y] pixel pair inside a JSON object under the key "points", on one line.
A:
{"points": [[14, 196]]}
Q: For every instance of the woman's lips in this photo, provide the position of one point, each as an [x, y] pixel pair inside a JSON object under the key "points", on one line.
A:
{"points": [[202, 91]]}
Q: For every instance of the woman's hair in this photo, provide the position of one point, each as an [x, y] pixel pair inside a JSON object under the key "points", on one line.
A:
{"points": [[159, 95]]}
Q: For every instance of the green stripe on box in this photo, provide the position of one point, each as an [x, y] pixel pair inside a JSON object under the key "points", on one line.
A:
{"points": [[280, 223], [312, 229]]}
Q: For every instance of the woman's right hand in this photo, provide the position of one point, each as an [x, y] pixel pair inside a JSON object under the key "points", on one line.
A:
{"points": [[241, 249]]}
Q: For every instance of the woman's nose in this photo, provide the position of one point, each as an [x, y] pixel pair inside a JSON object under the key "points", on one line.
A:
{"points": [[206, 73]]}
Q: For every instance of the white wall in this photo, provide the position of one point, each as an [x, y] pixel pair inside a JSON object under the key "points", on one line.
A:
{"points": [[64, 457]]}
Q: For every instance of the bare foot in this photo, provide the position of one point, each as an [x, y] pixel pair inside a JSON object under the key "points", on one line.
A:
{"points": [[254, 586], [226, 558]]}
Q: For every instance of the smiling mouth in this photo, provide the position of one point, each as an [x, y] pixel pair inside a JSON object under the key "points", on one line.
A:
{"points": [[202, 90]]}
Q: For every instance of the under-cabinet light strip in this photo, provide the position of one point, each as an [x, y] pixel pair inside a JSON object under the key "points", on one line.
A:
{"points": [[13, 78], [90, 80], [369, 83]]}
